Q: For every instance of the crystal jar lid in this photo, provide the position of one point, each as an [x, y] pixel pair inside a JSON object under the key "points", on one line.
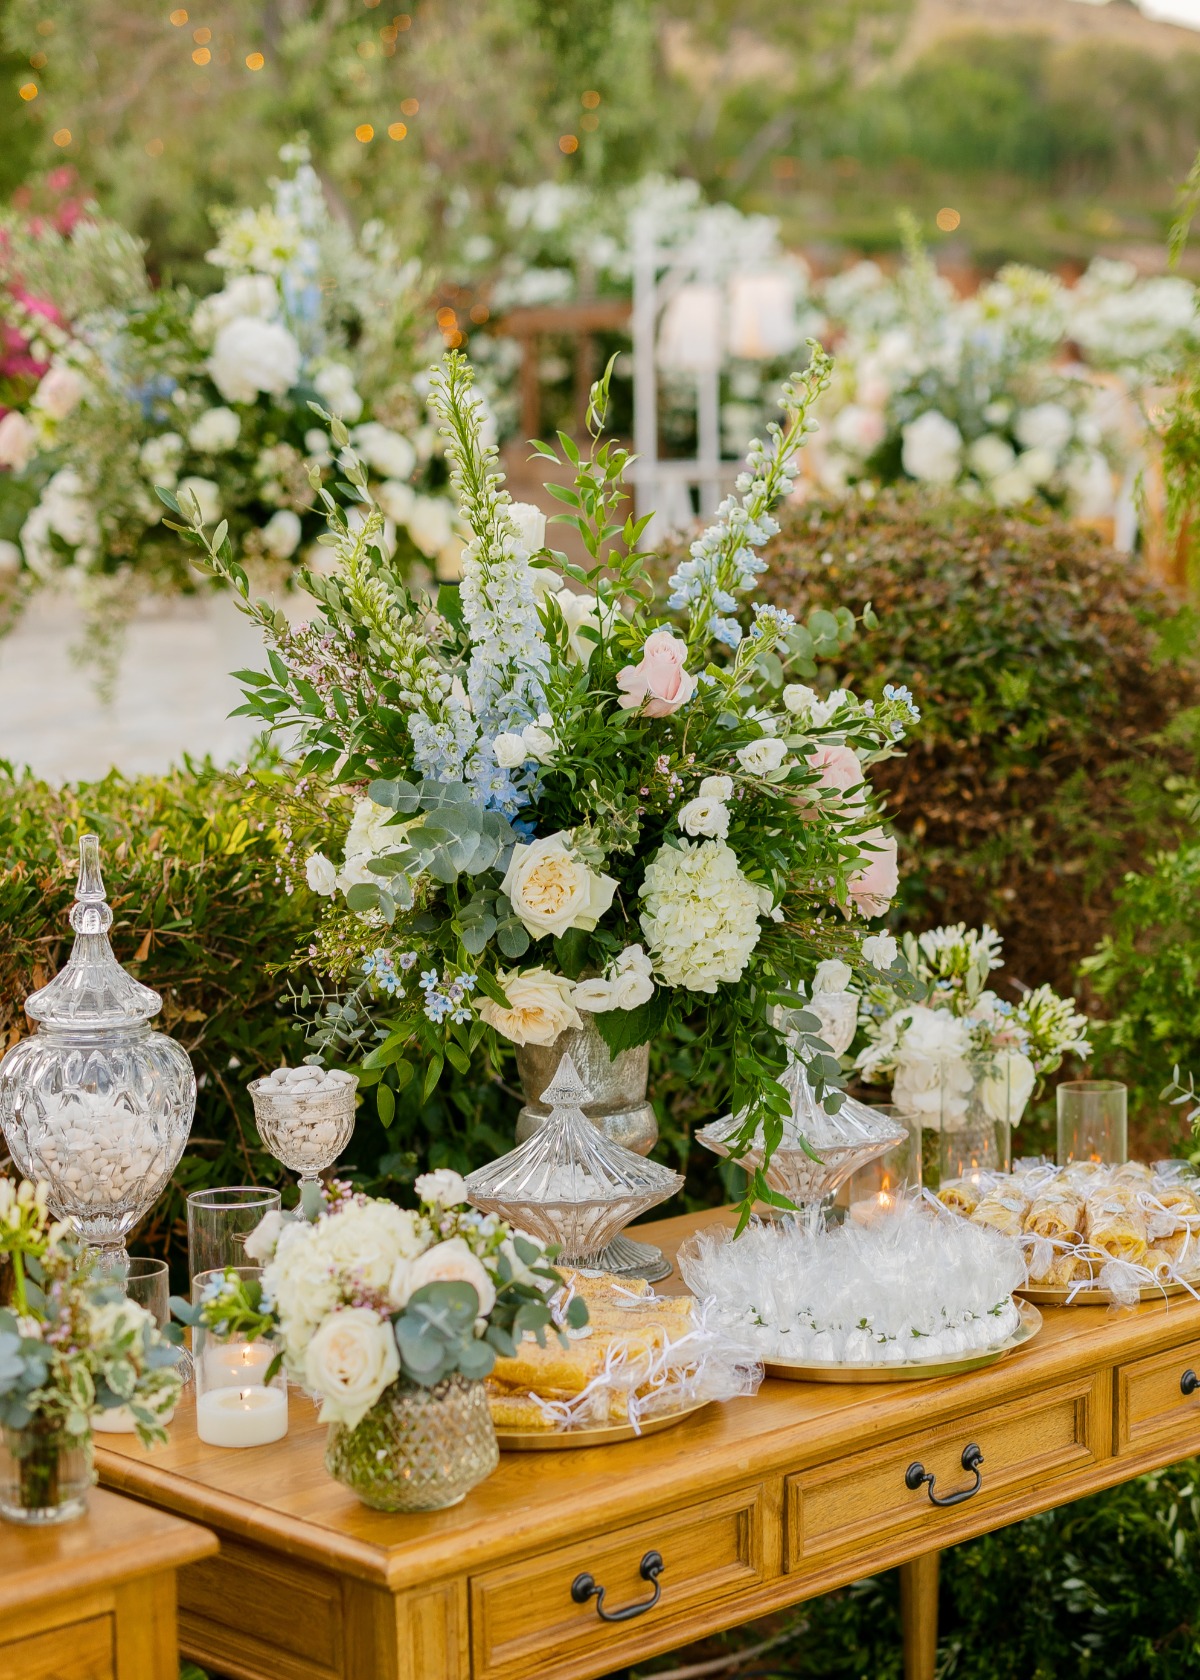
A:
{"points": [[93, 990]]}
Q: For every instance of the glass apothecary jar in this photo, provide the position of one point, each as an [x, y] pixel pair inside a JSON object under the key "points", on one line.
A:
{"points": [[94, 1103]]}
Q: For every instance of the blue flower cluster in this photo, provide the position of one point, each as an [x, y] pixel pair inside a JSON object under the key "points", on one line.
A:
{"points": [[723, 561], [449, 996], [380, 966], [900, 696]]}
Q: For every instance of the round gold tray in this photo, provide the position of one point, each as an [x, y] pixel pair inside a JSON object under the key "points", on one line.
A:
{"points": [[1045, 1296], [915, 1369], [602, 1435]]}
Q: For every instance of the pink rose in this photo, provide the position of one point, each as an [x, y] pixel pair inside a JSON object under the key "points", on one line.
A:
{"points": [[18, 441], [839, 769], [58, 392], [873, 887], [658, 684]]}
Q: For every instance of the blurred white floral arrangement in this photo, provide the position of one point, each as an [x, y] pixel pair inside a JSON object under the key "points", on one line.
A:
{"points": [[962, 1034], [147, 388]]}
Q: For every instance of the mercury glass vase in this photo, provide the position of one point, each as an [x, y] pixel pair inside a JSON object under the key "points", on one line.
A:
{"points": [[616, 1085], [417, 1449]]}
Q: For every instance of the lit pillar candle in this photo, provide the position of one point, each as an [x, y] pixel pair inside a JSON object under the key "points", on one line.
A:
{"points": [[242, 1417], [233, 1363]]}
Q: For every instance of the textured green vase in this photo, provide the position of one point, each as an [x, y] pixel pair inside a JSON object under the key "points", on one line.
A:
{"points": [[417, 1449]]}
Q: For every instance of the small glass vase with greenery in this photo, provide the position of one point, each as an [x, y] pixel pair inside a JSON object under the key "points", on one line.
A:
{"points": [[393, 1318], [71, 1344]]}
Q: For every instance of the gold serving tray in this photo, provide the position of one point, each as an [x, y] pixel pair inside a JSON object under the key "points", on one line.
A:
{"points": [[916, 1369], [602, 1435], [1046, 1296]]}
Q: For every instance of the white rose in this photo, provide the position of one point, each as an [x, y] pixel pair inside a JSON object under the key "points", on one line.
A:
{"points": [[362, 1241], [798, 697], [349, 1362], [429, 524], [716, 787], [1046, 425], [880, 949], [320, 874], [281, 534], [334, 384], [60, 391], [705, 815], [216, 430], [385, 451], [631, 978], [832, 975], [990, 455], [18, 441], [595, 995], [759, 758], [250, 356], [509, 750], [372, 832], [262, 1242], [530, 522], [444, 1188], [541, 1007], [551, 889], [396, 499], [932, 448], [539, 742], [1008, 1085], [453, 1262], [207, 494]]}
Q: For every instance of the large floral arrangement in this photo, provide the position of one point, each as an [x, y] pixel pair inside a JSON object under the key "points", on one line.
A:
{"points": [[961, 1032], [370, 1293], [70, 1341], [1027, 389], [151, 388], [541, 801]]}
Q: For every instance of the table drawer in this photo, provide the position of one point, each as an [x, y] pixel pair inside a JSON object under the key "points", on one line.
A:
{"points": [[251, 1608], [77, 1651], [524, 1620], [1158, 1401], [865, 1500]]}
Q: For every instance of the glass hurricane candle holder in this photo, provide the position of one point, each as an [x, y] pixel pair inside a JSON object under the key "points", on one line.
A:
{"points": [[236, 1404], [305, 1117], [93, 1102], [220, 1220], [1092, 1124], [895, 1176]]}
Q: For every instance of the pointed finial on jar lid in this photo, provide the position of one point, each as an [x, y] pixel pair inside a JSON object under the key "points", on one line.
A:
{"points": [[566, 1089], [90, 912]]}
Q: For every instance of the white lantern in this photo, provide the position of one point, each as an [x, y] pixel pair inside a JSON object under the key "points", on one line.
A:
{"points": [[762, 315], [689, 334]]}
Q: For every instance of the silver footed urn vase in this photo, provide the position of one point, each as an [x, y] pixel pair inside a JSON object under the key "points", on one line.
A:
{"points": [[616, 1085]]}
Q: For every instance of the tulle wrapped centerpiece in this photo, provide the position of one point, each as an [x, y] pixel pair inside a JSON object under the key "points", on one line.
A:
{"points": [[818, 1150], [570, 1185]]}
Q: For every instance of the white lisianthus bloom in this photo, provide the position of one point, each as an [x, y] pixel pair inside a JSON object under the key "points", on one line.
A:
{"points": [[990, 455], [582, 612], [349, 1362], [705, 815], [701, 915], [217, 430], [539, 739], [281, 534], [530, 522], [932, 448], [252, 356], [551, 889], [1008, 1085], [1046, 425], [208, 497], [443, 1188], [832, 975], [385, 451], [320, 874], [716, 787], [334, 384], [761, 757], [594, 995], [631, 978], [452, 1262], [880, 949], [372, 830], [540, 1007], [806, 703], [509, 750], [18, 441]]}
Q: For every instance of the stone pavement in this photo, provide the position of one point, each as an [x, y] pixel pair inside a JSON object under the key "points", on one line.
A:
{"points": [[174, 692]]}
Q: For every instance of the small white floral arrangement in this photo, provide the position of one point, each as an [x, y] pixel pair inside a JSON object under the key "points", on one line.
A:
{"points": [[961, 1033], [544, 797], [369, 1293]]}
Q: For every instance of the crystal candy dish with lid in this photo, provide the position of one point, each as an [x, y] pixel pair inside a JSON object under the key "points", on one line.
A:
{"points": [[94, 1103], [569, 1184]]}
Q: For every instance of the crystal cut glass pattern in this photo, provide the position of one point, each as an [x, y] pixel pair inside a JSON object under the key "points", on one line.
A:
{"points": [[569, 1184], [93, 1102], [417, 1449]]}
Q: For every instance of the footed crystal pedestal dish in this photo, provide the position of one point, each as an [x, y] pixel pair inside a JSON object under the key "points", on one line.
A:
{"points": [[93, 1103], [305, 1116], [568, 1184]]}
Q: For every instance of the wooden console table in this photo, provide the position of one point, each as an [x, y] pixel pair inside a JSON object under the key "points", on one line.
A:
{"points": [[753, 1505], [94, 1599]]}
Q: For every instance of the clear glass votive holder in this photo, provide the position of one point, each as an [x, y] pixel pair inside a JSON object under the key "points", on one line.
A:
{"points": [[219, 1221], [880, 1185], [146, 1282], [236, 1405], [1092, 1123]]}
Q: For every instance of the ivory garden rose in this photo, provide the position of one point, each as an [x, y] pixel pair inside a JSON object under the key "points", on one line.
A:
{"points": [[552, 890], [349, 1362], [540, 1006]]}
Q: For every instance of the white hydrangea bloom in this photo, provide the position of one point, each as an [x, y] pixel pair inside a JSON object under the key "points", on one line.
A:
{"points": [[701, 915]]}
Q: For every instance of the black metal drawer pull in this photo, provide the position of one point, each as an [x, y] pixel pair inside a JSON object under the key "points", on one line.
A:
{"points": [[584, 1587], [917, 1476], [1189, 1382]]}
